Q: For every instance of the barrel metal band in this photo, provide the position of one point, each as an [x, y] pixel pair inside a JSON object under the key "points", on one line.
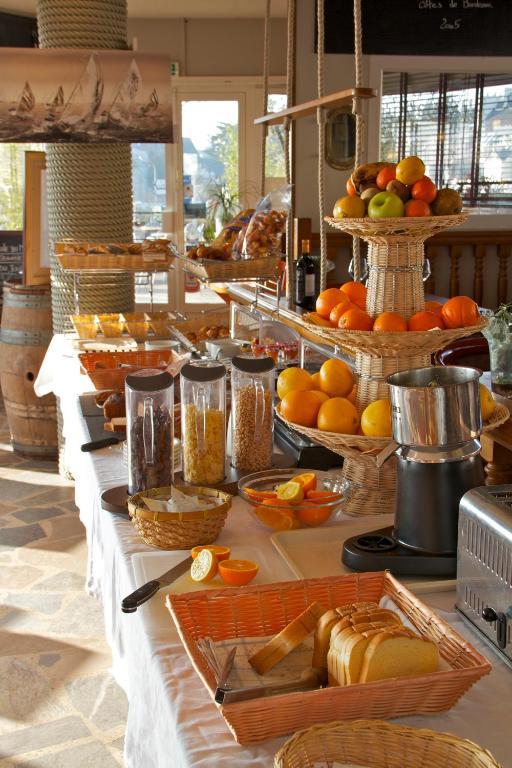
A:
{"points": [[32, 411], [25, 338], [22, 301]]}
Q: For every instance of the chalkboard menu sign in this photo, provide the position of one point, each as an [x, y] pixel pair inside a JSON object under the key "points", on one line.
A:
{"points": [[11, 259], [422, 27]]}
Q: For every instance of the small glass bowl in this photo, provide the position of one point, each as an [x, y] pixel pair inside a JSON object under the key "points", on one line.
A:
{"points": [[136, 324], [281, 516], [112, 325], [86, 326]]}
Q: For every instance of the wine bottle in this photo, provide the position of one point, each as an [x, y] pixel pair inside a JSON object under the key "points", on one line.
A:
{"points": [[305, 279]]}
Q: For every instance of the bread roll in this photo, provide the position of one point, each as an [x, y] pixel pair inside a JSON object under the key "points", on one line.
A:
{"points": [[114, 406]]}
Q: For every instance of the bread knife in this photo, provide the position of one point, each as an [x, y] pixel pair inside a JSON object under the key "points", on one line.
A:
{"points": [[230, 695], [143, 593]]}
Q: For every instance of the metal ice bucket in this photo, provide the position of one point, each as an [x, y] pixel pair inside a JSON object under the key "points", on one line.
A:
{"points": [[435, 407]]}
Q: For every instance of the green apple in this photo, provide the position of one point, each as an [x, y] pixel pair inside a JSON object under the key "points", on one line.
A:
{"points": [[385, 205]]}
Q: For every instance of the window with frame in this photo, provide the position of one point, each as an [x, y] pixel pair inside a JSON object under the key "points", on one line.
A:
{"points": [[459, 124]]}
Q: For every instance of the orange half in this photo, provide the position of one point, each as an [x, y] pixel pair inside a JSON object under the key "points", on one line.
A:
{"points": [[221, 553], [204, 567], [307, 480], [238, 573]]}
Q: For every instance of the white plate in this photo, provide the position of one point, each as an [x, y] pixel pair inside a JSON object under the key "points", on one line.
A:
{"points": [[150, 565], [316, 552]]}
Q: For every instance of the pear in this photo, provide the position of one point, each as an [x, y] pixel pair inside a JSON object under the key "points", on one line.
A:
{"points": [[447, 202], [399, 189]]}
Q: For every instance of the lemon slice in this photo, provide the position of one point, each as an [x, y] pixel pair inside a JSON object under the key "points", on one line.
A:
{"points": [[204, 567], [291, 491]]}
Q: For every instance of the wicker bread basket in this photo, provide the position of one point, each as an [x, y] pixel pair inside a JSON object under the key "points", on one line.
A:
{"points": [[108, 370], [179, 530], [376, 744], [265, 609], [220, 271]]}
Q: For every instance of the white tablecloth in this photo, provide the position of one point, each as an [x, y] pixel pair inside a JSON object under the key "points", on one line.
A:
{"points": [[172, 722]]}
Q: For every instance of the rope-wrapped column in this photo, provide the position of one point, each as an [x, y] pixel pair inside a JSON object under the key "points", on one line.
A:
{"points": [[89, 185]]}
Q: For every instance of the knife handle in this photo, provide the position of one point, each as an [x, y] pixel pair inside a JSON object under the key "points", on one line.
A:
{"points": [[132, 602], [97, 444]]}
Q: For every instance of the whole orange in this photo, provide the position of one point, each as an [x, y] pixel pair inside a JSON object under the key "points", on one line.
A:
{"points": [[390, 321], [351, 190], [315, 378], [417, 208], [385, 175], [356, 292], [376, 419], [338, 415], [336, 378], [433, 306], [349, 207], [424, 189], [424, 321], [293, 378], [301, 407], [410, 170], [337, 311], [460, 311], [316, 319], [322, 396], [327, 300], [355, 320]]}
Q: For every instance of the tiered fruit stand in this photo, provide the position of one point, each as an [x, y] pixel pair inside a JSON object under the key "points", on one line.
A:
{"points": [[395, 284]]}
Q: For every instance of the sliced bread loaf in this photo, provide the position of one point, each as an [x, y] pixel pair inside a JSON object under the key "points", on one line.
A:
{"points": [[391, 655]]}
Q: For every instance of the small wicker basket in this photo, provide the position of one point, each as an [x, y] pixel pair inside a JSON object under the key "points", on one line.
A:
{"points": [[179, 530], [376, 744], [224, 271]]}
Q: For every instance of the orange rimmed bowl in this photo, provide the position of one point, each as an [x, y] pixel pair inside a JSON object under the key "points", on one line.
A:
{"points": [[257, 490]]}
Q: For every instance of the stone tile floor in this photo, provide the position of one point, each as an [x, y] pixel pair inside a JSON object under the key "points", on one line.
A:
{"points": [[59, 704]]}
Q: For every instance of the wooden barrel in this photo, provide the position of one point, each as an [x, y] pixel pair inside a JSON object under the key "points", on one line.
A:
{"points": [[25, 333]]}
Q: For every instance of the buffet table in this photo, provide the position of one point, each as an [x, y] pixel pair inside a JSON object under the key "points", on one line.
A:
{"points": [[172, 722]]}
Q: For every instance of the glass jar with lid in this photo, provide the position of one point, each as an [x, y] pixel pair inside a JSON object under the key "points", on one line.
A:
{"points": [[252, 416], [203, 423], [149, 429]]}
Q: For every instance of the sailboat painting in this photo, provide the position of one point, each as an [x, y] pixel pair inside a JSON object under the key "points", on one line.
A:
{"points": [[58, 95]]}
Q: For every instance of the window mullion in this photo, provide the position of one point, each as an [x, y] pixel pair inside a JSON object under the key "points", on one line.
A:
{"points": [[477, 132], [441, 128]]}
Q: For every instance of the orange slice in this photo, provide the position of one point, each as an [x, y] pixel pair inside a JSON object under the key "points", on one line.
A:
{"points": [[307, 480], [260, 495], [281, 519], [221, 553], [238, 573], [314, 515], [291, 491], [204, 567]]}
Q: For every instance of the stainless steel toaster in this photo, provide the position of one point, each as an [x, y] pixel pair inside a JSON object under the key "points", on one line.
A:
{"points": [[484, 564]]}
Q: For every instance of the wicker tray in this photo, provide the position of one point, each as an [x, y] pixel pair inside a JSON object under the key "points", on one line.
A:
{"points": [[224, 271], [149, 256], [500, 416], [393, 343], [376, 744], [108, 370], [411, 228], [262, 610], [357, 447], [179, 530]]}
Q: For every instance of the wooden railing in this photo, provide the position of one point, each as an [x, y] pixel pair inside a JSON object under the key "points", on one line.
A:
{"points": [[475, 263]]}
